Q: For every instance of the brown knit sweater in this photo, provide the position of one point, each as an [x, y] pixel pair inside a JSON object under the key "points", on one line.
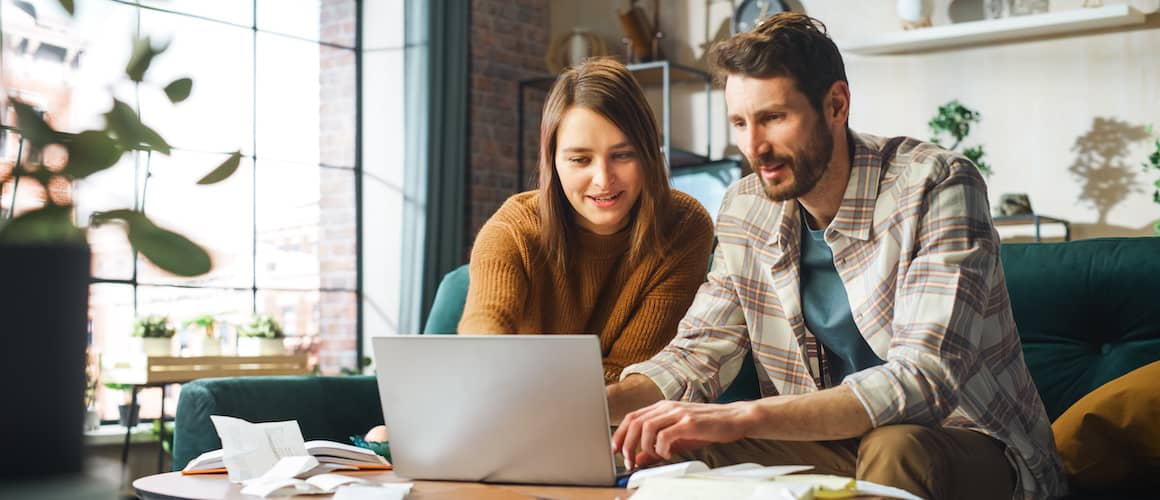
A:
{"points": [[633, 309]]}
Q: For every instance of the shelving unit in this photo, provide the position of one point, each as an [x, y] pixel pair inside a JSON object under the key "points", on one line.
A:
{"points": [[996, 30], [663, 74]]}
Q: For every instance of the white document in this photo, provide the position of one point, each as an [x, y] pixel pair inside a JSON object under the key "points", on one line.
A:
{"points": [[671, 470], [752, 471], [249, 449], [315, 485], [386, 491], [698, 469]]}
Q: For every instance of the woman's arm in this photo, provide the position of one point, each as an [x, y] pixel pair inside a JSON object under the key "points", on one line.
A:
{"points": [[498, 290]]}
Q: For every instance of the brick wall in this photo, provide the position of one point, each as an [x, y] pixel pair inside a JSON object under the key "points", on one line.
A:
{"points": [[337, 311], [508, 41]]}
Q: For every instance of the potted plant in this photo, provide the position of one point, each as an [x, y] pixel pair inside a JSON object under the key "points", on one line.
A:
{"points": [[1153, 163], [203, 338], [45, 317], [954, 120], [127, 412], [153, 335], [260, 337]]}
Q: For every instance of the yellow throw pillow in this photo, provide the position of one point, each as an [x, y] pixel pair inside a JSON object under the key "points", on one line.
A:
{"points": [[1110, 438]]}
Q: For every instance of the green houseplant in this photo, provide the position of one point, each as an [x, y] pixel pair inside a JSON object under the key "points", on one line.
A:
{"points": [[153, 335], [127, 411], [204, 340], [954, 120], [45, 318], [1153, 164], [261, 336]]}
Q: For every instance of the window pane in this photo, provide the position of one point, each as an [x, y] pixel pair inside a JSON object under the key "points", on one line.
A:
{"points": [[287, 99], [64, 66], [288, 219], [319, 323], [232, 11], [384, 25], [218, 115], [110, 189], [306, 227], [111, 322], [217, 217], [330, 21]]}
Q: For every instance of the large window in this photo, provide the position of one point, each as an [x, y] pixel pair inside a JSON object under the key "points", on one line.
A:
{"points": [[276, 79]]}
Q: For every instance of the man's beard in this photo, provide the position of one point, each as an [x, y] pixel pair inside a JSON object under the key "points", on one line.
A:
{"points": [[808, 165]]}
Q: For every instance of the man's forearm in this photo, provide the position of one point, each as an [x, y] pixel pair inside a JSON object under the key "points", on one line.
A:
{"points": [[831, 414], [634, 392]]}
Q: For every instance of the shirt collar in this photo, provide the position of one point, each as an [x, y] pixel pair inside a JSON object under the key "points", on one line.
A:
{"points": [[856, 213]]}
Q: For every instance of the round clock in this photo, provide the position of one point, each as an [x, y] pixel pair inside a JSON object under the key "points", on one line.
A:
{"points": [[750, 13]]}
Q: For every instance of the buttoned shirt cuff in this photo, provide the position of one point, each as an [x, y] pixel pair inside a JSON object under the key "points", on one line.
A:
{"points": [[672, 386]]}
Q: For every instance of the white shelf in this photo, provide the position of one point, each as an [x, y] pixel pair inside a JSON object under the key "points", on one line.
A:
{"points": [[996, 30]]}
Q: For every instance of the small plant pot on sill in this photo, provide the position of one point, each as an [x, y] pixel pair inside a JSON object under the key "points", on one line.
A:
{"points": [[205, 346], [258, 346], [128, 417], [151, 346]]}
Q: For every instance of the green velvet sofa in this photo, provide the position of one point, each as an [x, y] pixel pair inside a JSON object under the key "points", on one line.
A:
{"points": [[1088, 311]]}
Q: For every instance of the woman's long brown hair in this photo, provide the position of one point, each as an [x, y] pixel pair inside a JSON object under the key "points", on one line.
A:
{"points": [[608, 88]]}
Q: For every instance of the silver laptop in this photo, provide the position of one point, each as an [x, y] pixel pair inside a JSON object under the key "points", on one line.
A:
{"points": [[505, 408]]}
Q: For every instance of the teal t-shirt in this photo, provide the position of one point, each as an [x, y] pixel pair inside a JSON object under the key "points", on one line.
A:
{"points": [[827, 309]]}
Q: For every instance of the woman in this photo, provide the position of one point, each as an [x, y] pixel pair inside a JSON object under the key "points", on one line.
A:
{"points": [[604, 246]]}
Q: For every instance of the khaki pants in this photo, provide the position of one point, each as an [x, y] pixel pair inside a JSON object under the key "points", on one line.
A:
{"points": [[931, 462]]}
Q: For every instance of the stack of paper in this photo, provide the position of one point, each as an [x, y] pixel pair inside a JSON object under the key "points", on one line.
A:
{"points": [[695, 480]]}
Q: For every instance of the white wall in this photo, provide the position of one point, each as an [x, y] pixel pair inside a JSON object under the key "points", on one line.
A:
{"points": [[1036, 97]]}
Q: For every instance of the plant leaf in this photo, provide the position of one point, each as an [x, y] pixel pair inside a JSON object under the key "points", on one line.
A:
{"points": [[131, 132], [164, 248], [90, 152], [51, 224], [179, 90], [32, 125], [142, 57], [223, 171]]}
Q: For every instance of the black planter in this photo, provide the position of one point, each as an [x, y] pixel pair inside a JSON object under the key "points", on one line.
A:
{"points": [[127, 415], [44, 295]]}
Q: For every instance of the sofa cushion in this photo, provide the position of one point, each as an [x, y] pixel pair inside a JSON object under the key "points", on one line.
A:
{"points": [[1110, 438], [1086, 311], [447, 306]]}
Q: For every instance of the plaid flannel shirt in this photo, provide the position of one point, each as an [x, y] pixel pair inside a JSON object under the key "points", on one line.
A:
{"points": [[915, 248]]}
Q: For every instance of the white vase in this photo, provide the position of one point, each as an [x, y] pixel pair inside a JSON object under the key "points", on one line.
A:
{"points": [[205, 346], [257, 346], [915, 13], [151, 346]]}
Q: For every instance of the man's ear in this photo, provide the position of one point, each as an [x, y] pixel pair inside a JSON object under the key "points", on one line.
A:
{"points": [[837, 103]]}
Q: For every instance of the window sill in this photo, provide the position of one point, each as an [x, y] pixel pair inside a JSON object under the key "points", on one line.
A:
{"points": [[114, 434]]}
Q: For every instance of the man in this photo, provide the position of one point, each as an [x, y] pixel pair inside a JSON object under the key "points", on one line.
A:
{"points": [[863, 276]]}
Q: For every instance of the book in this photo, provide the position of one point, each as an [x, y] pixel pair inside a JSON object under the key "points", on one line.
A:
{"points": [[328, 453]]}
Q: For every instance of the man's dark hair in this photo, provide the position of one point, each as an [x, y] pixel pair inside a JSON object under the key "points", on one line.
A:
{"points": [[787, 44]]}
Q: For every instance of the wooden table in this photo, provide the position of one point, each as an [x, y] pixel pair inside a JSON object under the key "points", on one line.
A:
{"points": [[173, 485], [140, 371]]}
